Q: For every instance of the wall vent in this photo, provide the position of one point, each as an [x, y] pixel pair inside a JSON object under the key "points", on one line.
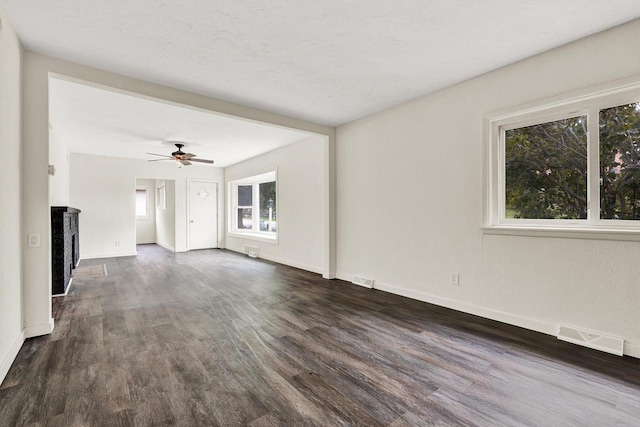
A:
{"points": [[361, 281], [252, 251], [595, 340]]}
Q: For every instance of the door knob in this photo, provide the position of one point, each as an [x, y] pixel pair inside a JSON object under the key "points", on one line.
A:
{"points": [[191, 221]]}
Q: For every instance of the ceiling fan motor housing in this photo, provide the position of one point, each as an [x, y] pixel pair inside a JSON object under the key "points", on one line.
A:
{"points": [[179, 152]]}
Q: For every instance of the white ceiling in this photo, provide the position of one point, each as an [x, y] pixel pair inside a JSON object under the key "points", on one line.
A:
{"points": [[327, 61], [102, 122]]}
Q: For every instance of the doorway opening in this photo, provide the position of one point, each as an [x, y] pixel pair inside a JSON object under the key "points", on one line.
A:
{"points": [[155, 212]]}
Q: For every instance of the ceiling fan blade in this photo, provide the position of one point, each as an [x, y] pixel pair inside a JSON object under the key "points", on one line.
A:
{"points": [[161, 155], [185, 162], [159, 160], [202, 161], [188, 155]]}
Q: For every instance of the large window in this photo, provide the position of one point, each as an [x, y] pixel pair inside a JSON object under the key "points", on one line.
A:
{"points": [[546, 170], [253, 206], [574, 164]]}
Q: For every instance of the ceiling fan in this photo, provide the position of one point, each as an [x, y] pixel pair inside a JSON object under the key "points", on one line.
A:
{"points": [[180, 156]]}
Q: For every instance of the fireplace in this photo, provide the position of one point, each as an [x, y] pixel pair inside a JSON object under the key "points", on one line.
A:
{"points": [[65, 246]]}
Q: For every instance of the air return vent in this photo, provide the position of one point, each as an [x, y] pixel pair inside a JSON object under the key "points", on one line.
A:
{"points": [[252, 251], [595, 340], [361, 281]]}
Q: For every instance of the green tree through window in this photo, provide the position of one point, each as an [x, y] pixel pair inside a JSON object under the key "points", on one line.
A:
{"points": [[546, 170], [268, 200], [619, 130]]}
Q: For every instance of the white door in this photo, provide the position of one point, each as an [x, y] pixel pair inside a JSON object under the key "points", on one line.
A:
{"points": [[203, 213]]}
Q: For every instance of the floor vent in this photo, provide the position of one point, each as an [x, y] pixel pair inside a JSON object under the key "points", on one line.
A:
{"points": [[361, 281], [595, 340], [252, 251]]}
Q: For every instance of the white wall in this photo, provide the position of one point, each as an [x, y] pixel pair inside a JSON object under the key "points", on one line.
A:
{"points": [[59, 182], [146, 228], [166, 217], [301, 177], [103, 189], [410, 185], [11, 236]]}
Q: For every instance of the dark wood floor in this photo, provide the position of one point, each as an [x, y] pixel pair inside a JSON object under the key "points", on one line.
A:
{"points": [[216, 338]]}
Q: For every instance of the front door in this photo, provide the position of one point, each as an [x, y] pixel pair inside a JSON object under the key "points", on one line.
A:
{"points": [[203, 214]]}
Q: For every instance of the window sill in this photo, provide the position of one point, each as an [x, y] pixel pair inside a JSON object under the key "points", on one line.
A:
{"points": [[564, 232], [254, 236]]}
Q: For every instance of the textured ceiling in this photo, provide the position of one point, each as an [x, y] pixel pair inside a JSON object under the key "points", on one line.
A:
{"points": [[327, 61], [102, 122]]}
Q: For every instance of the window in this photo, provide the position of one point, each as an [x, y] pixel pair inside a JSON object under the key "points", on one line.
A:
{"points": [[161, 196], [267, 194], [142, 204], [620, 162], [546, 170], [253, 206], [569, 165], [245, 207]]}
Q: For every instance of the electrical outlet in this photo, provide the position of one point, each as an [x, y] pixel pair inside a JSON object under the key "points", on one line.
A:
{"points": [[455, 279], [33, 240]]}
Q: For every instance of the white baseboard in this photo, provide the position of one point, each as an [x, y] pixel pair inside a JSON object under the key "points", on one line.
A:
{"points": [[30, 332], [37, 330], [146, 243], [109, 255], [8, 359], [488, 313], [68, 287], [167, 247], [294, 264], [630, 349], [344, 276]]}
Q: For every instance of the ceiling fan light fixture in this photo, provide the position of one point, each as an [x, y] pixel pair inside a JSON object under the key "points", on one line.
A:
{"points": [[182, 158]]}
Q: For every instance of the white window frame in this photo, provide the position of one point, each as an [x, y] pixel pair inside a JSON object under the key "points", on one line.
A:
{"points": [[146, 195], [232, 215], [587, 103], [161, 196], [237, 206]]}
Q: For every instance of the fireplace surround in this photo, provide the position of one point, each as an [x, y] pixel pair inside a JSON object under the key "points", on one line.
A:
{"points": [[65, 247]]}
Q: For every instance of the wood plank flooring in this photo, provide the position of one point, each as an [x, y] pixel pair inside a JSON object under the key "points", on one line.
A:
{"points": [[211, 338]]}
